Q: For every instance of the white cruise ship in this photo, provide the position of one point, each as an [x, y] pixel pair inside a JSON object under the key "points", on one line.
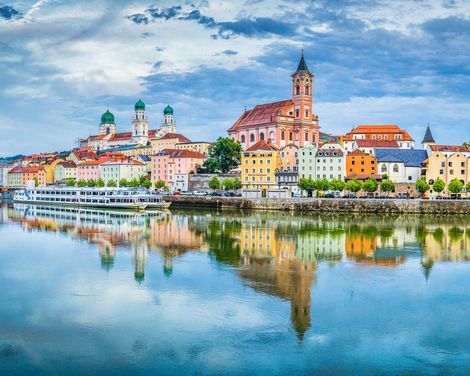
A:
{"points": [[122, 198]]}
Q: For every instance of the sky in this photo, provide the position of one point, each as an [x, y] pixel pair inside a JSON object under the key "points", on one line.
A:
{"points": [[63, 63]]}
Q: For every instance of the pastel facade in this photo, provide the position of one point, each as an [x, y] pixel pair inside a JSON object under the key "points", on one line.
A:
{"points": [[307, 161], [20, 177], [65, 170], [330, 164], [284, 122], [171, 166], [400, 165], [258, 165], [121, 169], [377, 132], [90, 169], [289, 157], [4, 170], [201, 147], [168, 141]]}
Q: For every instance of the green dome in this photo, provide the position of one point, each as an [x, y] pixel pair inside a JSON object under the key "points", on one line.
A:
{"points": [[168, 110], [107, 118], [140, 105]]}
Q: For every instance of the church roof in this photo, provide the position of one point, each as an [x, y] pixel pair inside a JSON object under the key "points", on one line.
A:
{"points": [[378, 129], [140, 105], [377, 143], [262, 114], [107, 118], [428, 138], [410, 157]]}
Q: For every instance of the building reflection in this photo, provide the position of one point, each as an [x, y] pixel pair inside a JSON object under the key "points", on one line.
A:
{"points": [[277, 254]]}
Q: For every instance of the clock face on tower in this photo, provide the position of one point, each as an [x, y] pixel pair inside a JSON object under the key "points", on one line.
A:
{"points": [[297, 80]]}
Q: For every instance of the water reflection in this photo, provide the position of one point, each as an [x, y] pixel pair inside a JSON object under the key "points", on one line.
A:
{"points": [[277, 254]]}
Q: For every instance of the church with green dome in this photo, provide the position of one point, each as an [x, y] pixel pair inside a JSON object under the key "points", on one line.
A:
{"points": [[139, 134]]}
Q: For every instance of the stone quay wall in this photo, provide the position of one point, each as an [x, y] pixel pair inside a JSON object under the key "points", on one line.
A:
{"points": [[417, 206]]}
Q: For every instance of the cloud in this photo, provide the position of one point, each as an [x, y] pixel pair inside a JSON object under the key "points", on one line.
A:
{"points": [[9, 13]]}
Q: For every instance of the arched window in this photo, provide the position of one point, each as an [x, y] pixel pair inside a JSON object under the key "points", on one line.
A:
{"points": [[243, 138], [261, 136], [306, 113], [306, 90], [271, 136], [297, 113], [297, 90], [290, 136], [108, 131], [384, 168], [395, 168], [252, 137]]}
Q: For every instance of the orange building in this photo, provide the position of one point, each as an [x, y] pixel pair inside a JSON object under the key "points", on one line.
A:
{"points": [[360, 163], [379, 133], [283, 122]]}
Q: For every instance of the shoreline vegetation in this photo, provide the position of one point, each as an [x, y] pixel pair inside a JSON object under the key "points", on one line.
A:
{"points": [[325, 205]]}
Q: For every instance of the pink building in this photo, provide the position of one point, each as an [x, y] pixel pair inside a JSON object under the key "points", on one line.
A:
{"points": [[173, 167], [90, 169]]}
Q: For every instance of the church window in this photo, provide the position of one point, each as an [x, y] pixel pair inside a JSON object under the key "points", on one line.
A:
{"points": [[261, 136], [252, 137], [306, 113], [297, 113], [243, 138], [297, 90], [306, 90], [306, 136], [282, 135], [384, 168], [395, 168], [108, 130]]}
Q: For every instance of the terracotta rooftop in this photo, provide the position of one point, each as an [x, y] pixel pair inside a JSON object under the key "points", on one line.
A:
{"points": [[451, 148], [25, 170], [377, 143], [179, 136], [67, 164], [262, 145], [378, 129], [358, 152], [263, 114], [180, 153]]}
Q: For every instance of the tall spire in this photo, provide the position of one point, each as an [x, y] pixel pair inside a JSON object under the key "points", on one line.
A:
{"points": [[428, 138], [302, 67]]}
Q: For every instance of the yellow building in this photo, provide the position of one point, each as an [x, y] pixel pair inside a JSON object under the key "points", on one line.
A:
{"points": [[201, 147], [448, 163], [259, 162], [49, 169]]}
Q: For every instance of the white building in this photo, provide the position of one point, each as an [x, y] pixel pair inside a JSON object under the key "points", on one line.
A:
{"points": [[121, 169], [4, 170], [401, 165]]}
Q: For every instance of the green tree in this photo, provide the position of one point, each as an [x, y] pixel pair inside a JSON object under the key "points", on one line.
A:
{"points": [[214, 183], [323, 184], [370, 185], [237, 183], [227, 184], [112, 183], [422, 186], [70, 182], [385, 177], [468, 192], [337, 185], [387, 186], [307, 184], [100, 183], [159, 184], [146, 183], [134, 183], [354, 185], [91, 183], [455, 186], [123, 182], [224, 155], [438, 185], [82, 183]]}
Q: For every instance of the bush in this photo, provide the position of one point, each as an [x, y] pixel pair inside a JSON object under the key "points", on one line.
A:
{"points": [[112, 183], [82, 183], [123, 183], [91, 183], [70, 182], [100, 183]]}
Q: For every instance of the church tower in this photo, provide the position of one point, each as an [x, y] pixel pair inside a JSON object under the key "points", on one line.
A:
{"points": [[428, 139], [168, 125], [302, 80], [139, 125], [107, 125]]}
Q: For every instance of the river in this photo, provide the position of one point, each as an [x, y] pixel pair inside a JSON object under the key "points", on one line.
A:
{"points": [[228, 292]]}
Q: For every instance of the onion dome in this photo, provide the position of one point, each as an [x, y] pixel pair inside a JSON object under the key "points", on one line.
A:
{"points": [[107, 118], [140, 106], [168, 110]]}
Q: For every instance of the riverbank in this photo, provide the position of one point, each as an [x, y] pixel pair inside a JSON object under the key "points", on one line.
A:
{"points": [[326, 205]]}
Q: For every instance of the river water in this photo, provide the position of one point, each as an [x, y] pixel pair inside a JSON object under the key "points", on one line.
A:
{"points": [[91, 292]]}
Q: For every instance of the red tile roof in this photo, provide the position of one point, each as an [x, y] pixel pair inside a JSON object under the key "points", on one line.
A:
{"points": [[85, 154], [181, 153], [25, 170], [263, 114], [262, 145], [179, 136], [95, 162], [450, 148], [121, 136], [377, 143], [378, 129], [358, 153], [67, 164]]}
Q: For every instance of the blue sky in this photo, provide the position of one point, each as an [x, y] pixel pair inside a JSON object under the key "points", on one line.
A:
{"points": [[62, 63]]}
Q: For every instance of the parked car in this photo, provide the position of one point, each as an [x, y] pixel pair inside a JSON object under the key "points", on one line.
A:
{"points": [[403, 196], [217, 194], [349, 195], [229, 194], [329, 195]]}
